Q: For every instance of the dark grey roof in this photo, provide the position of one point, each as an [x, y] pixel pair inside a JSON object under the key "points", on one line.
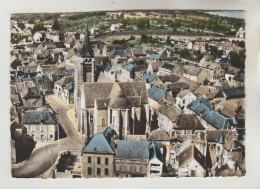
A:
{"points": [[233, 92], [203, 108], [239, 77], [33, 92], [168, 66], [129, 149], [38, 117], [131, 67]]}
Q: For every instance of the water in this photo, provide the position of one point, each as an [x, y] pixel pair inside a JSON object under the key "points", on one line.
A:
{"points": [[234, 14]]}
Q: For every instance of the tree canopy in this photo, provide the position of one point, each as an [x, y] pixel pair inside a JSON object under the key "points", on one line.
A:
{"points": [[238, 59], [17, 62], [56, 24]]}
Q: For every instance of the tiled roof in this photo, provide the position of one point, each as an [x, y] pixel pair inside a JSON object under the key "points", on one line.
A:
{"points": [[177, 86], [156, 56], [210, 65], [156, 93], [128, 149], [192, 70], [169, 111], [156, 65], [64, 81], [192, 153], [188, 122], [39, 117], [159, 135], [169, 78], [122, 94], [183, 93]]}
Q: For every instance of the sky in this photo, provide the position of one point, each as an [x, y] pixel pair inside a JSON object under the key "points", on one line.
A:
{"points": [[235, 14]]}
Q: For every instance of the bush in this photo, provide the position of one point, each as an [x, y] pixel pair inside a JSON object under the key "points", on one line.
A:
{"points": [[17, 62], [66, 162]]}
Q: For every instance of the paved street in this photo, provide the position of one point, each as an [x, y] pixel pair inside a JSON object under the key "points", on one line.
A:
{"points": [[41, 158]]}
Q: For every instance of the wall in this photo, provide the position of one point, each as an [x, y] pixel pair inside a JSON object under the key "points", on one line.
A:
{"points": [[93, 165], [41, 130]]}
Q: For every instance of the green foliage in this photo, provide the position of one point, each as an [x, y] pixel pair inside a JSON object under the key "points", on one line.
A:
{"points": [[16, 38], [66, 162], [241, 44], [49, 61], [141, 23], [84, 15], [38, 27], [119, 42], [141, 62], [149, 39], [17, 62], [186, 53], [56, 24], [21, 25], [215, 52], [238, 59], [169, 171]]}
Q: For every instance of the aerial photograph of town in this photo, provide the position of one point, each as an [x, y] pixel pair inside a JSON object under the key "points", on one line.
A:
{"points": [[122, 94]]}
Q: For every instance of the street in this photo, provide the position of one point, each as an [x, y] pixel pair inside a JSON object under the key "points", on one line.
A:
{"points": [[42, 158]]}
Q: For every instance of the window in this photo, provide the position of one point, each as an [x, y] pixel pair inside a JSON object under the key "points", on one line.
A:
{"points": [[106, 171], [98, 171], [218, 148], [106, 161], [89, 171], [103, 122], [91, 118], [156, 165], [51, 136], [112, 73], [98, 160], [89, 159], [110, 116]]}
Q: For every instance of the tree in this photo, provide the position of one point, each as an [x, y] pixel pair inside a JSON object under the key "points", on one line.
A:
{"points": [[238, 59], [168, 40], [241, 44], [186, 53], [56, 24], [215, 52], [49, 61], [66, 162], [17, 62], [21, 25], [39, 27]]}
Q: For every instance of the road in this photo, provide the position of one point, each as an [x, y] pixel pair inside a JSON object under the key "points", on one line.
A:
{"points": [[42, 158]]}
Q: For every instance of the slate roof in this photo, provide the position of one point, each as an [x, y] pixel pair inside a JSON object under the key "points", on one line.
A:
{"points": [[128, 149], [33, 92], [192, 153], [156, 56], [149, 77], [70, 86], [156, 93], [39, 117], [233, 92], [214, 118], [130, 67], [64, 81], [159, 135], [41, 79], [121, 94], [154, 152], [188, 122], [239, 77], [98, 144]]}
